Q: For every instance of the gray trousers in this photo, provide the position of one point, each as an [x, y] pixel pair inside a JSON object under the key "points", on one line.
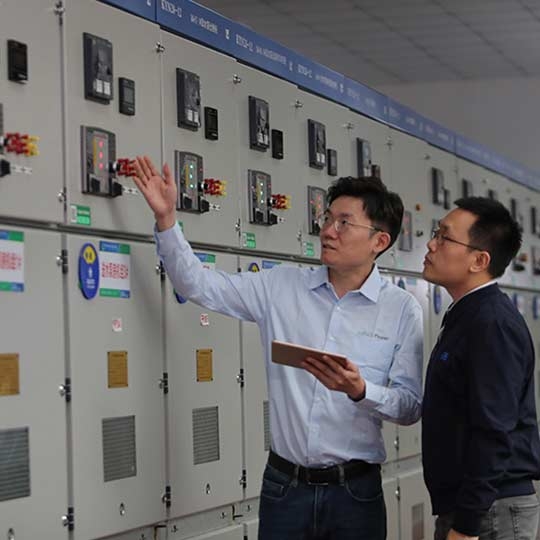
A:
{"points": [[514, 518]]}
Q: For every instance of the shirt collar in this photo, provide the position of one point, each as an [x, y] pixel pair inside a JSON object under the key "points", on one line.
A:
{"points": [[483, 286], [370, 288]]}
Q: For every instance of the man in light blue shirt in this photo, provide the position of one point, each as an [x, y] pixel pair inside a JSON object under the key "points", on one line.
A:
{"points": [[323, 474]]}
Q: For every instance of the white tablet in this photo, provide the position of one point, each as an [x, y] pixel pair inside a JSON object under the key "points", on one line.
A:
{"points": [[291, 354]]}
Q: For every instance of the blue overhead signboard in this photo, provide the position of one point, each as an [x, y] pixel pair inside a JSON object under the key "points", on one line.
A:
{"points": [[144, 8], [319, 79], [405, 119], [473, 151], [533, 180], [261, 52], [196, 22], [364, 100], [438, 135], [208, 27]]}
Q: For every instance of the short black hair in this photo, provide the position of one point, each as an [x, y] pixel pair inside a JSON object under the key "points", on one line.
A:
{"points": [[384, 208], [495, 231]]}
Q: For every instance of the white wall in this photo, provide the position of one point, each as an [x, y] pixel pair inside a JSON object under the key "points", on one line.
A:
{"points": [[502, 114]]}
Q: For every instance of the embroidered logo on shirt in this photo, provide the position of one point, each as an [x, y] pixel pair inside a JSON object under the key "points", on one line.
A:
{"points": [[444, 356], [372, 335]]}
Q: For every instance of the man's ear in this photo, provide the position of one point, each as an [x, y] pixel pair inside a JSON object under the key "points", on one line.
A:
{"points": [[383, 241], [481, 262]]}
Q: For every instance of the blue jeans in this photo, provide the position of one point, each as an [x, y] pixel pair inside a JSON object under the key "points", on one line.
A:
{"points": [[513, 518], [293, 510]]}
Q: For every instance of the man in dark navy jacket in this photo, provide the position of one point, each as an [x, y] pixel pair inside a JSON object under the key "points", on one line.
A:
{"points": [[480, 441]]}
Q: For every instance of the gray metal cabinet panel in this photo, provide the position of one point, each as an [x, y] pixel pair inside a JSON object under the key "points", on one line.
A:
{"points": [[216, 73], [133, 58], [205, 417], [32, 328], [33, 108], [103, 332]]}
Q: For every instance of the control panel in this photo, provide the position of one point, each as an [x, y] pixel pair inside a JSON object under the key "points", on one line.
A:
{"points": [[188, 99], [363, 157], [535, 256], [515, 211], [535, 221], [437, 187], [259, 124], [316, 208], [189, 180], [98, 69], [467, 188], [332, 162], [316, 144], [17, 58], [260, 198], [405, 237], [99, 164], [277, 144], [211, 131], [126, 92]]}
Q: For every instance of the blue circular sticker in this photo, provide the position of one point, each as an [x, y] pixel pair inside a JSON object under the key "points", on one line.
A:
{"points": [[437, 299], [401, 284], [536, 307], [89, 271]]}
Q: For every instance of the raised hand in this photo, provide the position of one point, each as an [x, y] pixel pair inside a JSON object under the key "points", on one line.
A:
{"points": [[159, 191]]}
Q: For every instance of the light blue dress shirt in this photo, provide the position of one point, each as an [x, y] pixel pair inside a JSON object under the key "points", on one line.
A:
{"points": [[379, 327]]}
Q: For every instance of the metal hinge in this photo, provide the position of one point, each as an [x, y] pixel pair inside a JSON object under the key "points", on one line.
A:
{"points": [[62, 260], [59, 10], [160, 48], [164, 383], [166, 498], [65, 390], [243, 479], [397, 493], [240, 378], [68, 520], [396, 443]]}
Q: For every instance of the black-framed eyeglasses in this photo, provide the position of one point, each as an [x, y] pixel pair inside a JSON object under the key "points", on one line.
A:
{"points": [[325, 220], [440, 238]]}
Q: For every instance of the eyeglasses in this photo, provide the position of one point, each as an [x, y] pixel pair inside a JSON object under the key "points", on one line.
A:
{"points": [[441, 239], [340, 225]]}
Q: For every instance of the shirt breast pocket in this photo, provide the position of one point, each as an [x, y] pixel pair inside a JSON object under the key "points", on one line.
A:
{"points": [[373, 356]]}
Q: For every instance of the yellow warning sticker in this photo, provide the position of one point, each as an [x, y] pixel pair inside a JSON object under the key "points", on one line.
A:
{"points": [[205, 371], [118, 369], [9, 374]]}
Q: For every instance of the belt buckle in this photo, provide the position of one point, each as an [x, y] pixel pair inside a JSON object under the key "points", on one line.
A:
{"points": [[310, 482]]}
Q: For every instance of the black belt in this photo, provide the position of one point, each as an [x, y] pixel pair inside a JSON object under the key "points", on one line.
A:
{"points": [[329, 475]]}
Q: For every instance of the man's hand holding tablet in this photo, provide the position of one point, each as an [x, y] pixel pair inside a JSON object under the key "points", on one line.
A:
{"points": [[333, 370]]}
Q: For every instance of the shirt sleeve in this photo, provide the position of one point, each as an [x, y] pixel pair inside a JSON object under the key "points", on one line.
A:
{"points": [[400, 400], [495, 369], [243, 295]]}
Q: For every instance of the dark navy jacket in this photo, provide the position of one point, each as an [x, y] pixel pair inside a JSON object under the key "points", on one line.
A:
{"points": [[479, 429]]}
